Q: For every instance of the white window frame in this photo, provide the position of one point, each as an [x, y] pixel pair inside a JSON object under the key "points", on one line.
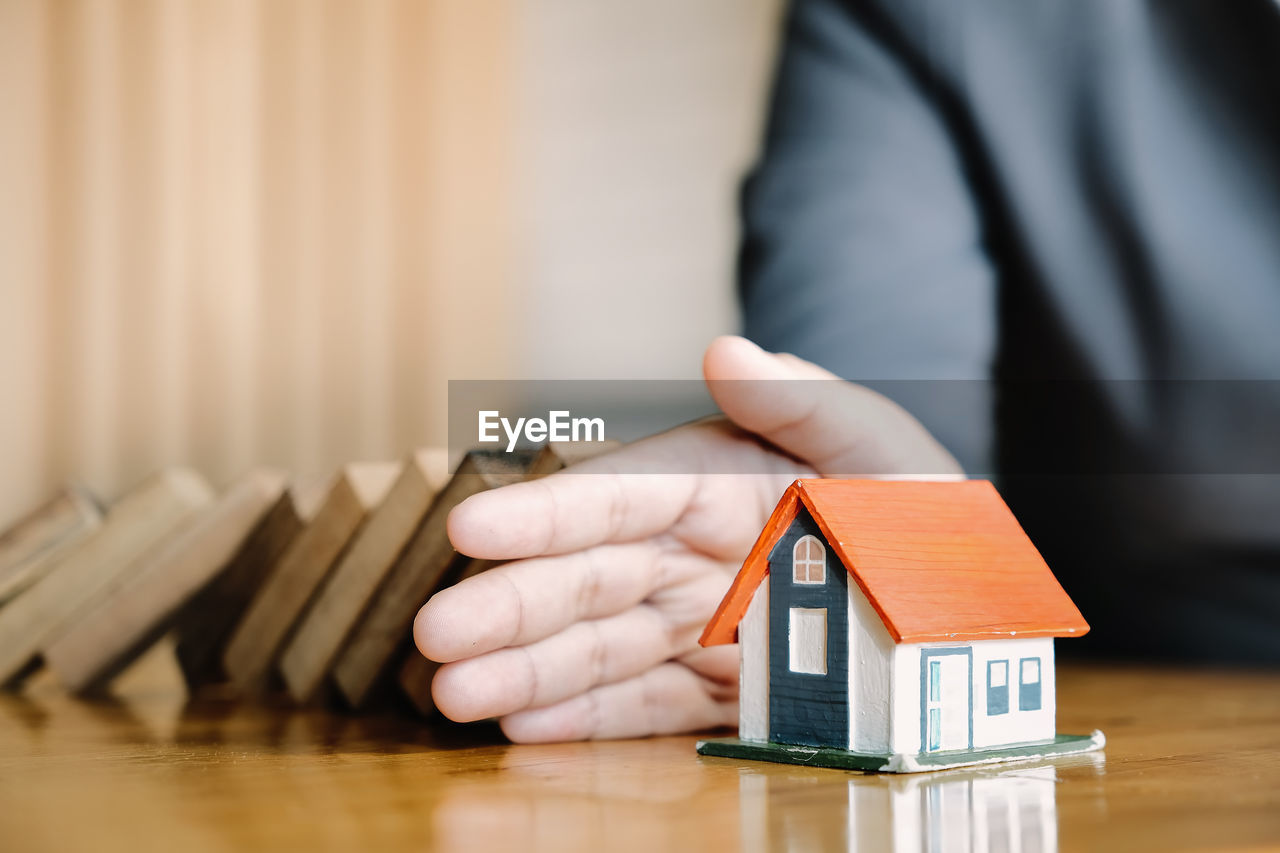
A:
{"points": [[809, 570], [807, 640]]}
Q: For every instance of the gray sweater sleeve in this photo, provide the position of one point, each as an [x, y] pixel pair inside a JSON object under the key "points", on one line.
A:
{"points": [[862, 245]]}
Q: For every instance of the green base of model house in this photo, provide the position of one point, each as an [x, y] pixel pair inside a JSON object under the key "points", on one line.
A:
{"points": [[843, 759]]}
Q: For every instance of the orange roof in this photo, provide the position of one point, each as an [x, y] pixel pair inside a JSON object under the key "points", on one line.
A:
{"points": [[938, 561]]}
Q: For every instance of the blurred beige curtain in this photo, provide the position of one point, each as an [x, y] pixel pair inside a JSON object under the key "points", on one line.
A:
{"points": [[237, 232]]}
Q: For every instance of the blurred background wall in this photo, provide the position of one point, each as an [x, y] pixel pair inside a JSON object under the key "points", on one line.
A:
{"points": [[238, 232]]}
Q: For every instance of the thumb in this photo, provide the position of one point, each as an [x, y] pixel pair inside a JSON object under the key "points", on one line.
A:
{"points": [[838, 427]]}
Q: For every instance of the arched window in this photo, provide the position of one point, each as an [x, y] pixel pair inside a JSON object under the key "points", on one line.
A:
{"points": [[809, 561]]}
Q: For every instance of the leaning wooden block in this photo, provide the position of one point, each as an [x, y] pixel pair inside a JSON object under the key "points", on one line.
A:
{"points": [[78, 580], [414, 678], [372, 553], [32, 545], [204, 626], [137, 612], [258, 639], [370, 653]]}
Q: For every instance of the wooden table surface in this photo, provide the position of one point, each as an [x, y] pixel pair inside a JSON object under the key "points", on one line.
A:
{"points": [[1192, 761]]}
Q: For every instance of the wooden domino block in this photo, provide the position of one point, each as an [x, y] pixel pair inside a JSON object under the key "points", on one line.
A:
{"points": [[330, 619], [384, 629], [414, 679], [78, 580], [204, 626], [31, 546], [258, 639], [133, 615]]}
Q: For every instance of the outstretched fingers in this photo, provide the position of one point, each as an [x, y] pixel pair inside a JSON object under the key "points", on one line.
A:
{"points": [[608, 499], [582, 656], [529, 600], [669, 698]]}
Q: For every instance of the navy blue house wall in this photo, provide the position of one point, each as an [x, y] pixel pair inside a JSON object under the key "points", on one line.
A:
{"points": [[805, 708]]}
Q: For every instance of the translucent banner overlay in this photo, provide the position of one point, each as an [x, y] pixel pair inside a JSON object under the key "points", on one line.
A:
{"points": [[1122, 427]]}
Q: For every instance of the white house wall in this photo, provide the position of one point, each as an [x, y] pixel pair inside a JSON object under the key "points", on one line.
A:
{"points": [[753, 682], [1013, 727], [870, 669]]}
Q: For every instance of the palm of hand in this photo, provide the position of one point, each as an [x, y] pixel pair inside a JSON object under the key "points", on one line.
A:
{"points": [[592, 631]]}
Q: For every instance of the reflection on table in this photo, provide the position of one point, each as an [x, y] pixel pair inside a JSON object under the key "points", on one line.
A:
{"points": [[1191, 762], [1011, 809]]}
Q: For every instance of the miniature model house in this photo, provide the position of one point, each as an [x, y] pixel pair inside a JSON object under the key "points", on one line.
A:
{"points": [[895, 626]]}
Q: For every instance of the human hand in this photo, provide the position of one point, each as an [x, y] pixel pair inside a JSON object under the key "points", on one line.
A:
{"points": [[592, 631]]}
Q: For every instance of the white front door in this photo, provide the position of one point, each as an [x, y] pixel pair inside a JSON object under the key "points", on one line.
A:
{"points": [[946, 705]]}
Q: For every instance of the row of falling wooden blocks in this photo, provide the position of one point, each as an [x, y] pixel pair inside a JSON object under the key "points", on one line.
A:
{"points": [[309, 586]]}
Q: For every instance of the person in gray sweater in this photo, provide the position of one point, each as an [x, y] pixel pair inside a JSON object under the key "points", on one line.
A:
{"points": [[1072, 207], [1041, 239]]}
